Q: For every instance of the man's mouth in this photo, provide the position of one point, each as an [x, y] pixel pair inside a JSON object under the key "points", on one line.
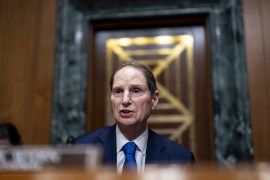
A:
{"points": [[126, 113]]}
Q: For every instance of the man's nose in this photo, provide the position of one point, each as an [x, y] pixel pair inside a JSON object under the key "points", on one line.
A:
{"points": [[126, 99]]}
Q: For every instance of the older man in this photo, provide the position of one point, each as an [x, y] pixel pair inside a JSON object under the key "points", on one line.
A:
{"points": [[130, 143]]}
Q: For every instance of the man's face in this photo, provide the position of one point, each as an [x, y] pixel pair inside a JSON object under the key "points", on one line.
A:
{"points": [[131, 98]]}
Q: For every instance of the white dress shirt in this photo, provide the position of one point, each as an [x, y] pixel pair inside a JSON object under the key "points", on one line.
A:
{"points": [[140, 153]]}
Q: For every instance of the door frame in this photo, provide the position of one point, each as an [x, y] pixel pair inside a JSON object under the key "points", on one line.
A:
{"points": [[96, 120]]}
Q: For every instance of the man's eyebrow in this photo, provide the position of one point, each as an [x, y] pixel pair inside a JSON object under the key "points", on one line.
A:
{"points": [[137, 86]]}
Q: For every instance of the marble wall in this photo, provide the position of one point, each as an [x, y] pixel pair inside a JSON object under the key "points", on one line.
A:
{"points": [[229, 80], [229, 77], [70, 74]]}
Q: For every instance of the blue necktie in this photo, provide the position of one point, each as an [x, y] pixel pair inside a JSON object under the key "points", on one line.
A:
{"points": [[130, 161]]}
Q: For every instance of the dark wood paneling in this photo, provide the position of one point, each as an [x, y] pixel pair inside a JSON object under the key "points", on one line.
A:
{"points": [[257, 28], [27, 31]]}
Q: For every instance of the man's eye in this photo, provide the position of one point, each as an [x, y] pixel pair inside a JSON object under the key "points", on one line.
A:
{"points": [[136, 91], [117, 91]]}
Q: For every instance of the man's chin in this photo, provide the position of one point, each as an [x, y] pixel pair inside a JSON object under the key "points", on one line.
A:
{"points": [[131, 123], [127, 122]]}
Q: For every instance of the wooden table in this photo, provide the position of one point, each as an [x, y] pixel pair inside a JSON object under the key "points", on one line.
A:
{"points": [[259, 171]]}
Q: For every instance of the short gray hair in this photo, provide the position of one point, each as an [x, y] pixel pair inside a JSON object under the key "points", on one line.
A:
{"points": [[147, 72]]}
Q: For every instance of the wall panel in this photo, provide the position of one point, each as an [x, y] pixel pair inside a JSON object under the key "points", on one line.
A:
{"points": [[27, 31], [257, 27]]}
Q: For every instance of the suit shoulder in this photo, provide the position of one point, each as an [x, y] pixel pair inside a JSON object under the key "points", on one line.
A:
{"points": [[92, 137], [179, 152], [176, 151]]}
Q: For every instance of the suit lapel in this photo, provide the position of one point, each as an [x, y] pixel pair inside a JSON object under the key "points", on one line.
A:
{"points": [[108, 141], [156, 149]]}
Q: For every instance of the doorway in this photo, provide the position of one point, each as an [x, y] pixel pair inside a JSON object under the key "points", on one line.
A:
{"points": [[177, 51]]}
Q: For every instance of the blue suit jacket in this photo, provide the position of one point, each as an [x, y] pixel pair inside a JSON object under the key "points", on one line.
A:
{"points": [[159, 149]]}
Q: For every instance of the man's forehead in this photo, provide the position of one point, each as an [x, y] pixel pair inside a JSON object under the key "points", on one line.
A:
{"points": [[129, 76], [130, 84], [129, 73], [129, 69]]}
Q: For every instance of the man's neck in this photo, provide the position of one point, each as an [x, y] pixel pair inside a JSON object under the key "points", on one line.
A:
{"points": [[132, 132]]}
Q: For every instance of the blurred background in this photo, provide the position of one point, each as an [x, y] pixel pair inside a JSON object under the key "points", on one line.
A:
{"points": [[210, 57]]}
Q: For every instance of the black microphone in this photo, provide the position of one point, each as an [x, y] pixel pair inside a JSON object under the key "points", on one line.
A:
{"points": [[70, 140]]}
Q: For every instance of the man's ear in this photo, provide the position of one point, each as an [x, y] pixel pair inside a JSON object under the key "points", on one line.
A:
{"points": [[155, 99]]}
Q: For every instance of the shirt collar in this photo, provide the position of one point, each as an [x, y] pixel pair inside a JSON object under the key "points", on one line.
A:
{"points": [[141, 141]]}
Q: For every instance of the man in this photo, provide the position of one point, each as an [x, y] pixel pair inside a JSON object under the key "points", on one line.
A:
{"points": [[134, 95]]}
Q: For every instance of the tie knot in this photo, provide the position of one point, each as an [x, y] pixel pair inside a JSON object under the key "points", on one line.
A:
{"points": [[129, 148]]}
